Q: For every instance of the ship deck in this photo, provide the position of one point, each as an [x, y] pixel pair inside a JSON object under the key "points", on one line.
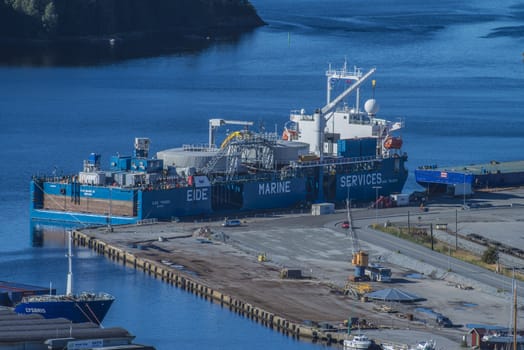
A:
{"points": [[12, 292], [486, 175], [492, 167]]}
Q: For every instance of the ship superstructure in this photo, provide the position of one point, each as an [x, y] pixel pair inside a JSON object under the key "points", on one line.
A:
{"points": [[339, 151]]}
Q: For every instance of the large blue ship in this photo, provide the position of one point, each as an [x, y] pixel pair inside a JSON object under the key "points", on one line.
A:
{"points": [[338, 152]]}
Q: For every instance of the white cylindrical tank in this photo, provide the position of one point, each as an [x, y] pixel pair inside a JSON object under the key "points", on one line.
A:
{"points": [[190, 158], [288, 151]]}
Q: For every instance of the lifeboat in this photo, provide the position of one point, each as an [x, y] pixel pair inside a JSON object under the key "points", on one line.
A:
{"points": [[393, 142], [289, 135]]}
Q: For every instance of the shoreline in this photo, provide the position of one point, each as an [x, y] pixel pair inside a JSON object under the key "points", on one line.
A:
{"points": [[96, 50]]}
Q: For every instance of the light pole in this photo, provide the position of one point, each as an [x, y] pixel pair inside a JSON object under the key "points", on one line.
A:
{"points": [[376, 202], [464, 190]]}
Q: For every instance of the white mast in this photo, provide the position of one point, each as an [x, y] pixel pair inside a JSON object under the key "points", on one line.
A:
{"points": [[69, 288]]}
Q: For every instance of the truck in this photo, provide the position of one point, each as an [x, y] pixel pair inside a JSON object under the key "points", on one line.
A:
{"points": [[378, 273]]}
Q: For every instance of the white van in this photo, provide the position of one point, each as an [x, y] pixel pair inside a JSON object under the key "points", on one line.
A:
{"points": [[231, 223]]}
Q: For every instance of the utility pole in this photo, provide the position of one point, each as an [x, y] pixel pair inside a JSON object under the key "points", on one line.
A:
{"points": [[431, 230], [456, 229], [376, 203], [409, 226]]}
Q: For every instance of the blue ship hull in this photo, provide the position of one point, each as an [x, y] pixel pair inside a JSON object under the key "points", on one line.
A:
{"points": [[98, 205], [388, 177], [75, 310]]}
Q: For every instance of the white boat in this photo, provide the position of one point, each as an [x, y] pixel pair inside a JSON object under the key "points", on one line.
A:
{"points": [[423, 345], [426, 345], [358, 342]]}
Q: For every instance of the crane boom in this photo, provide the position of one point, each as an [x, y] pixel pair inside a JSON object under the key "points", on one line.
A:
{"points": [[217, 122], [352, 233], [331, 105], [359, 258]]}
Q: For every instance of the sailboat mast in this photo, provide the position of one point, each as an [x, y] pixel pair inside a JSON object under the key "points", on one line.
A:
{"points": [[69, 288], [514, 314]]}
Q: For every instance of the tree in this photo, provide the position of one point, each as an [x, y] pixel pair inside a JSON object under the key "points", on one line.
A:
{"points": [[490, 255], [50, 18]]}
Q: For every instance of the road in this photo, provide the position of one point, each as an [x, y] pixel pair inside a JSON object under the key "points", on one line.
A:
{"points": [[363, 220]]}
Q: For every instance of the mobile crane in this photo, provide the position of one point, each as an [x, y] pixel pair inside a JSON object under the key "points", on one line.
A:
{"points": [[359, 258]]}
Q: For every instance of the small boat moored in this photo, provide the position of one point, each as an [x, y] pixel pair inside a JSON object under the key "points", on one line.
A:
{"points": [[358, 342], [78, 308]]}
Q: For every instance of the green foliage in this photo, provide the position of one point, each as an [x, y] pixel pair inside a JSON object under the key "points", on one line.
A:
{"points": [[86, 18], [28, 7], [34, 18], [490, 255], [50, 18]]}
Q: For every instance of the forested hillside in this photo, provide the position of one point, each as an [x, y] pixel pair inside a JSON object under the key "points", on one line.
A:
{"points": [[49, 19]]}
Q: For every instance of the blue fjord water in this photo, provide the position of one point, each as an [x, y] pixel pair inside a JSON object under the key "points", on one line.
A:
{"points": [[451, 69]]}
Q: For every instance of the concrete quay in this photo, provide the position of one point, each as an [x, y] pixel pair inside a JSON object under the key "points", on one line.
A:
{"points": [[223, 265]]}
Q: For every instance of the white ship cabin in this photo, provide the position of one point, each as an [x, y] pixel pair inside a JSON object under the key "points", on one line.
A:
{"points": [[339, 121]]}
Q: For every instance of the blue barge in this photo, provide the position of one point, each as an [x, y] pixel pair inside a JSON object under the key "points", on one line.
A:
{"points": [[465, 179]]}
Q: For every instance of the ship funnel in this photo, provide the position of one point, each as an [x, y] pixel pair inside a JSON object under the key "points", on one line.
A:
{"points": [[318, 146]]}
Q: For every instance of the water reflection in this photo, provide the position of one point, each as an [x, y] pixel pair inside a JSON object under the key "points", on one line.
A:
{"points": [[49, 234], [88, 52]]}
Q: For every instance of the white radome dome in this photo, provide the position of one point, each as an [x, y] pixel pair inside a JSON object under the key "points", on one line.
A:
{"points": [[371, 106]]}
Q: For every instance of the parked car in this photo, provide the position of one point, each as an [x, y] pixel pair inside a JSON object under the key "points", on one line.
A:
{"points": [[443, 321]]}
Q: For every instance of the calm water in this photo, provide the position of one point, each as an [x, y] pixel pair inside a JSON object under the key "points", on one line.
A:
{"points": [[452, 69]]}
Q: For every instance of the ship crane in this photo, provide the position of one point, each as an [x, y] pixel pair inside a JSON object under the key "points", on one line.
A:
{"points": [[321, 115], [359, 258], [214, 124], [332, 104]]}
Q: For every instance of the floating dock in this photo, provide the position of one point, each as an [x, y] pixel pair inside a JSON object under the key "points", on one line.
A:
{"points": [[463, 179]]}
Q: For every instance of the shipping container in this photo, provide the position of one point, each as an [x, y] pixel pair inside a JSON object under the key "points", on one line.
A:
{"points": [[368, 146], [118, 163], [400, 199], [92, 178], [322, 209], [349, 148]]}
